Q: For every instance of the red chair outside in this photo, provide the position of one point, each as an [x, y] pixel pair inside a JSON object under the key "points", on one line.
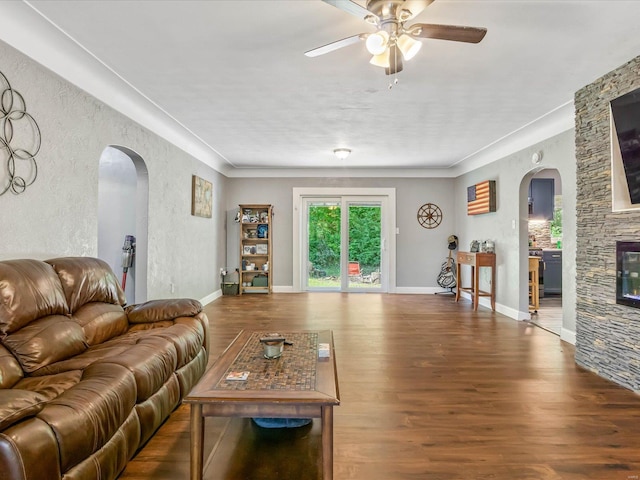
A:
{"points": [[355, 275], [354, 269]]}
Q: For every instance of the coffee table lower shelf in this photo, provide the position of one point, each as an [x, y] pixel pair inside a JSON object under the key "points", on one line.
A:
{"points": [[239, 449], [210, 399]]}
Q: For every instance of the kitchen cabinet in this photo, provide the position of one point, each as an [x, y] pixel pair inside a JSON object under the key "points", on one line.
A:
{"points": [[541, 198], [552, 271]]}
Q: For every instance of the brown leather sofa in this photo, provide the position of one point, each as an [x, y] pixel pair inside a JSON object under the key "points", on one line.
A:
{"points": [[84, 381]]}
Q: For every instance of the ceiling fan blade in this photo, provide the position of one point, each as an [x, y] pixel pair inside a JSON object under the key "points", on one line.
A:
{"points": [[330, 47], [395, 61], [448, 32], [350, 7]]}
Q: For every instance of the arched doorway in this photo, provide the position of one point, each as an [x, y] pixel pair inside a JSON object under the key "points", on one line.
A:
{"points": [[541, 202], [123, 201]]}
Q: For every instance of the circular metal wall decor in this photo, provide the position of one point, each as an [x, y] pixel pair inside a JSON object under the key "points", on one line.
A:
{"points": [[429, 215], [19, 138]]}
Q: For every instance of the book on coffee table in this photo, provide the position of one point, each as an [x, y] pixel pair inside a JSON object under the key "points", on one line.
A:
{"points": [[239, 376]]}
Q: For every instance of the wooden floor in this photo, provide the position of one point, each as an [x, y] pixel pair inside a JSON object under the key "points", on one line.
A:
{"points": [[549, 314], [429, 389]]}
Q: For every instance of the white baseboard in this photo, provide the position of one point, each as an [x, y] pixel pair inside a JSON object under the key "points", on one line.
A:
{"points": [[512, 312], [568, 336], [218, 293], [283, 289], [500, 308], [211, 297]]}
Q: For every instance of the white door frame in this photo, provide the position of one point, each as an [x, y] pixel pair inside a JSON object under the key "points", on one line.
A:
{"points": [[389, 238]]}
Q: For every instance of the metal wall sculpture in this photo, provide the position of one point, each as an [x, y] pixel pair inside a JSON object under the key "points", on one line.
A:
{"points": [[19, 140]]}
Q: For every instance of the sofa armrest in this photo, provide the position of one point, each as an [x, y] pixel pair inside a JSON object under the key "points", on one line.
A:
{"points": [[17, 404], [161, 310]]}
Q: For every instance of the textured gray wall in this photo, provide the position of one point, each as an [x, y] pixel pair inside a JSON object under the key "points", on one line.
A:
{"points": [[607, 334], [512, 175], [420, 251], [58, 214]]}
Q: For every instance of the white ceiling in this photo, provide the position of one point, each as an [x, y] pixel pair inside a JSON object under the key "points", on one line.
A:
{"points": [[233, 74]]}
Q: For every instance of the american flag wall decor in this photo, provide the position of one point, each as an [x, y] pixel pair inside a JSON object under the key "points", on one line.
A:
{"points": [[481, 198]]}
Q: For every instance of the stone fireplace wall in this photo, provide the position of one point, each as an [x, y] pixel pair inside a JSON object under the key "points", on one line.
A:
{"points": [[607, 334]]}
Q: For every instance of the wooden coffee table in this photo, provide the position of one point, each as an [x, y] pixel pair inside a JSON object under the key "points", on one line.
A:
{"points": [[296, 385]]}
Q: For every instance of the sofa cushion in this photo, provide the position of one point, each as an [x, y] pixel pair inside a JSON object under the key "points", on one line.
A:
{"points": [[155, 409], [10, 369], [101, 321], [112, 458], [189, 375], [29, 289], [152, 360], [50, 386], [85, 417], [29, 450], [186, 335], [160, 310], [114, 347], [46, 341], [16, 404], [86, 280]]}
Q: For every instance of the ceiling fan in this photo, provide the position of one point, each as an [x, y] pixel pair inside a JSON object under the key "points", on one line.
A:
{"points": [[394, 41]]}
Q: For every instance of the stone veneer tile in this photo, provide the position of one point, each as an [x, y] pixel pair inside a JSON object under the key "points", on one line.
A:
{"points": [[607, 334]]}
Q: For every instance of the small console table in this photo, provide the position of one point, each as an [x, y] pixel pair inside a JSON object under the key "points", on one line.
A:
{"points": [[477, 260]]}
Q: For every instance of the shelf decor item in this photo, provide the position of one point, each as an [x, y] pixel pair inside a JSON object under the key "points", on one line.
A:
{"points": [[255, 248], [263, 230]]}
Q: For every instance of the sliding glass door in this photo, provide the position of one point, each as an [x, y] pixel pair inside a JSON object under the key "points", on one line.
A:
{"points": [[344, 248], [323, 244], [364, 245]]}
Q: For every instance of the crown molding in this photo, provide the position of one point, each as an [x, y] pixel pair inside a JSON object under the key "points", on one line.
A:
{"points": [[548, 125], [337, 172], [32, 33]]}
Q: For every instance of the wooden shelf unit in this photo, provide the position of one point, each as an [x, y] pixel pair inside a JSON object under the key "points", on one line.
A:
{"points": [[256, 222]]}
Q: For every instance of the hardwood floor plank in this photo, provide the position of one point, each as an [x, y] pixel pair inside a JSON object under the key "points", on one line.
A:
{"points": [[430, 390]]}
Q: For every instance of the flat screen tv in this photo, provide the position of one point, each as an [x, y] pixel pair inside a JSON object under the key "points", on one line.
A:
{"points": [[625, 112]]}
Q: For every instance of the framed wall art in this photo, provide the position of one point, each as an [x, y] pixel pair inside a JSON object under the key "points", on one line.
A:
{"points": [[201, 197], [481, 198]]}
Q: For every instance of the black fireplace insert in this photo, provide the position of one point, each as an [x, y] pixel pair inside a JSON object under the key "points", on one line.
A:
{"points": [[628, 273]]}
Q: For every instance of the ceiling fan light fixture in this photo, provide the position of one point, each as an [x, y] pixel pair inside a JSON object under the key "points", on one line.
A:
{"points": [[342, 153], [405, 14], [381, 60], [408, 46], [372, 19], [377, 42]]}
